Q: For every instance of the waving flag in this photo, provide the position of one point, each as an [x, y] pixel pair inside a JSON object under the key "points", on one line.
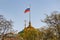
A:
{"points": [[27, 10]]}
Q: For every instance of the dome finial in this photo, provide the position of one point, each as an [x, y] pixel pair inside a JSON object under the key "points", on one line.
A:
{"points": [[29, 24]]}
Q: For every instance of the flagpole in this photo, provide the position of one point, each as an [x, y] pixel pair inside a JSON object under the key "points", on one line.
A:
{"points": [[30, 16], [25, 23]]}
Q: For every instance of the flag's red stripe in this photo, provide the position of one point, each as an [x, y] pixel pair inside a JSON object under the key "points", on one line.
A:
{"points": [[27, 11]]}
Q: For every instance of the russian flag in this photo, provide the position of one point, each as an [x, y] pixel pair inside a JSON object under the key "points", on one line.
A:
{"points": [[27, 10]]}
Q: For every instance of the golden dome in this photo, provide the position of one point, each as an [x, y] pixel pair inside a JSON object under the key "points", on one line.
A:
{"points": [[29, 32], [29, 27]]}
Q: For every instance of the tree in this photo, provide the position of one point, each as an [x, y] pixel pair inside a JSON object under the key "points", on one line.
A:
{"points": [[5, 26], [53, 21]]}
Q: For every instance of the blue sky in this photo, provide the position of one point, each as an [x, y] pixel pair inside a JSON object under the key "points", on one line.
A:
{"points": [[14, 10]]}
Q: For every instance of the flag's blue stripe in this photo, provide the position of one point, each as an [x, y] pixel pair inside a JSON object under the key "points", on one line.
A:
{"points": [[28, 9]]}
